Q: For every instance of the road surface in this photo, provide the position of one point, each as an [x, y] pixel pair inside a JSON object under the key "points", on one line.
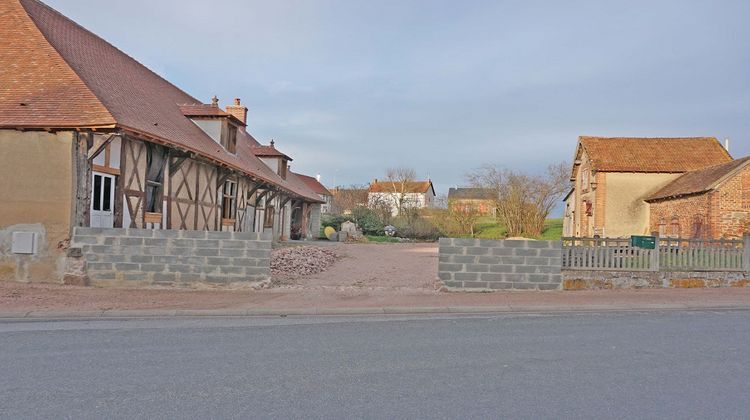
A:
{"points": [[671, 364]]}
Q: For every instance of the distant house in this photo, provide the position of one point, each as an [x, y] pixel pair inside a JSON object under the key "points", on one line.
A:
{"points": [[480, 200], [398, 196], [614, 176], [709, 203], [344, 200]]}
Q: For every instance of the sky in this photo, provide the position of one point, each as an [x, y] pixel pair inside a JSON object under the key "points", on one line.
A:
{"points": [[349, 88]]}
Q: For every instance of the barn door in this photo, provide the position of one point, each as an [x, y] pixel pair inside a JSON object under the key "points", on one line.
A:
{"points": [[102, 200]]}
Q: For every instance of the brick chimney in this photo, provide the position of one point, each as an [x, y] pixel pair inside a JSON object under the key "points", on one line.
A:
{"points": [[238, 110]]}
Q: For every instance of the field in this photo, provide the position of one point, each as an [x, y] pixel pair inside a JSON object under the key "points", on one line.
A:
{"points": [[489, 228]]}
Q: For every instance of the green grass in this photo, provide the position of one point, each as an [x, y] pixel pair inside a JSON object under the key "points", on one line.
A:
{"points": [[489, 228], [383, 239]]}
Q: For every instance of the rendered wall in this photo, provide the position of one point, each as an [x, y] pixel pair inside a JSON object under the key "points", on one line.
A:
{"points": [[625, 212], [36, 184]]}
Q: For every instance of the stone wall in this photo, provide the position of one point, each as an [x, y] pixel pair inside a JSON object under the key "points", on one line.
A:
{"points": [[589, 280], [170, 257], [480, 264]]}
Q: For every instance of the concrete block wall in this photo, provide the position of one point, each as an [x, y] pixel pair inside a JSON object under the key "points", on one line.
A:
{"points": [[172, 257], [482, 264]]}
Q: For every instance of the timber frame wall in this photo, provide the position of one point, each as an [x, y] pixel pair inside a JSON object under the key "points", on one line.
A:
{"points": [[191, 191]]}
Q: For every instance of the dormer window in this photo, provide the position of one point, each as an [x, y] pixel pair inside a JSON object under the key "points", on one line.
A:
{"points": [[230, 139], [283, 168]]}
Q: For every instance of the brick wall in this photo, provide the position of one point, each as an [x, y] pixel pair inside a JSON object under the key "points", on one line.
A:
{"points": [[692, 215], [172, 257], [722, 213], [482, 264]]}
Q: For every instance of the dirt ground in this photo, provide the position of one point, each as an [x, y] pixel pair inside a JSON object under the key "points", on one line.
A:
{"points": [[396, 267]]}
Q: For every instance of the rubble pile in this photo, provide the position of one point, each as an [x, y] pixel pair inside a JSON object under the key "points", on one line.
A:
{"points": [[301, 260]]}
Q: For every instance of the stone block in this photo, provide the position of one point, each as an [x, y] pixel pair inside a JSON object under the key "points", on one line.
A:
{"points": [[463, 259], [525, 252], [140, 233], [501, 268], [526, 269], [489, 260], [135, 276], [218, 261], [207, 243], [182, 243], [130, 241], [450, 267], [502, 251], [156, 268], [515, 243], [524, 286], [537, 261], [86, 240], [514, 260], [257, 253], [549, 286], [500, 285], [233, 244], [445, 242], [514, 277], [231, 252], [167, 233], [474, 250], [112, 258], [256, 270], [164, 277], [466, 276], [155, 242], [246, 236], [127, 267], [217, 278], [539, 244], [244, 262], [465, 242], [219, 235], [538, 278], [491, 277], [443, 275], [456, 284], [475, 284], [224, 269], [180, 268], [102, 275], [490, 243], [206, 252], [99, 266], [452, 250], [141, 258], [193, 234], [75, 280], [478, 268]]}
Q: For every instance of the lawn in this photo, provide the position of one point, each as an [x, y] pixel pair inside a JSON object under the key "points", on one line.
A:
{"points": [[489, 228]]}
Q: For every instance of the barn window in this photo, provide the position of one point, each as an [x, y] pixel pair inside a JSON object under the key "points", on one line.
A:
{"points": [[156, 158], [662, 227], [675, 227], [229, 194]]}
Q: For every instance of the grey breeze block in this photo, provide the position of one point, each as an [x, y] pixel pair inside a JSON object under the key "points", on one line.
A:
{"points": [[147, 256], [482, 264]]}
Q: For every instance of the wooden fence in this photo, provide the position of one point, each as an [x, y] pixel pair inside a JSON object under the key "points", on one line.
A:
{"points": [[671, 254]]}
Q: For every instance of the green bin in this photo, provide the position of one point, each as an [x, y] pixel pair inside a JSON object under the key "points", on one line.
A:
{"points": [[646, 242]]}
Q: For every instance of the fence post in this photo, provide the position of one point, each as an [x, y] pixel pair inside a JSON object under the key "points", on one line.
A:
{"points": [[746, 253], [654, 266]]}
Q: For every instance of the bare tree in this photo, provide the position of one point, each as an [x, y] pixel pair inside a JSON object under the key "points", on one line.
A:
{"points": [[464, 219], [523, 201], [347, 199], [399, 182]]}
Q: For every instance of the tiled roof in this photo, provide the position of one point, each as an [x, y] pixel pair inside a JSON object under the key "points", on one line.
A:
{"points": [[700, 181], [56, 74], [410, 187], [314, 184], [470, 194], [634, 154], [37, 87]]}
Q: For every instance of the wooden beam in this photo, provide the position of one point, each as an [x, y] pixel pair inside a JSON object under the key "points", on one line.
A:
{"points": [[260, 197], [81, 181], [95, 152]]}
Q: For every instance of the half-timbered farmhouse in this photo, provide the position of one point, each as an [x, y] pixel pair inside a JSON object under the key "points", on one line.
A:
{"points": [[90, 137]]}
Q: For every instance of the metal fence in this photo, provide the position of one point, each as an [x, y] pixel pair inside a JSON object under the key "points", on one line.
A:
{"points": [[671, 254]]}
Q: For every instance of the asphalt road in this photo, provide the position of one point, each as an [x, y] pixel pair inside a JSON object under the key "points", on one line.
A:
{"points": [[607, 365]]}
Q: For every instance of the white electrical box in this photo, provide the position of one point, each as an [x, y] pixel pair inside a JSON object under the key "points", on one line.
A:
{"points": [[23, 243]]}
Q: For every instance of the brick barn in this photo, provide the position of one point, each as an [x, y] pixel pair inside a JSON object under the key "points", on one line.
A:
{"points": [[710, 203]]}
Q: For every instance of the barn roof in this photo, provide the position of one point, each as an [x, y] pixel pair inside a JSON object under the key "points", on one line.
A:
{"points": [[314, 184], [696, 182], [470, 193], [56, 74], [655, 154]]}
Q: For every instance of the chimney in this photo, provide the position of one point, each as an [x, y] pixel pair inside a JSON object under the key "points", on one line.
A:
{"points": [[238, 110], [215, 102], [726, 144], [317, 177]]}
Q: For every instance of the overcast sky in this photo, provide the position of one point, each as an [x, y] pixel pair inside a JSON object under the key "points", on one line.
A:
{"points": [[349, 88]]}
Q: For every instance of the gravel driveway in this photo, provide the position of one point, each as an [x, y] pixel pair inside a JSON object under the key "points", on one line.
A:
{"points": [[373, 266]]}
